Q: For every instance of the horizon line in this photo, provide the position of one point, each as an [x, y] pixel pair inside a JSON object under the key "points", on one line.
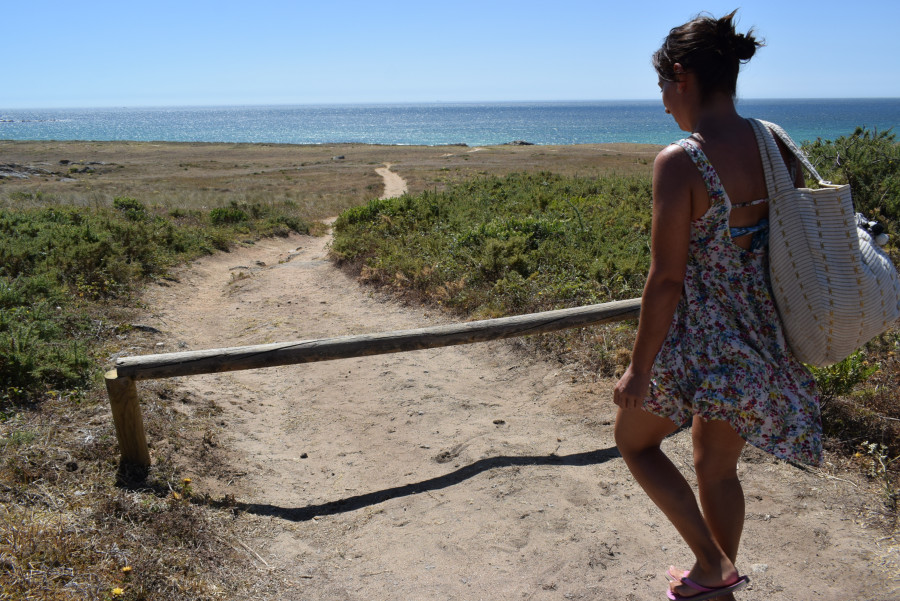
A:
{"points": [[419, 103]]}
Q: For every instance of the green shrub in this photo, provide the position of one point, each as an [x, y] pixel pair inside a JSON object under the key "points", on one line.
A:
{"points": [[842, 378], [870, 162], [524, 242], [132, 208], [227, 215], [57, 260]]}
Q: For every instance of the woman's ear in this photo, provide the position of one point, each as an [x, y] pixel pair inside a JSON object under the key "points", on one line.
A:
{"points": [[678, 68]]}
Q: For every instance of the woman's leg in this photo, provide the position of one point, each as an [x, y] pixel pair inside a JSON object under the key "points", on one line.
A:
{"points": [[717, 448], [638, 436]]}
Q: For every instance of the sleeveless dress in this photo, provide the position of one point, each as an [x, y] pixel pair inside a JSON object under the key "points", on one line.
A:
{"points": [[725, 356]]}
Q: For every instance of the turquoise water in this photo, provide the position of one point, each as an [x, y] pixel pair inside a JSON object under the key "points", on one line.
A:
{"points": [[431, 124]]}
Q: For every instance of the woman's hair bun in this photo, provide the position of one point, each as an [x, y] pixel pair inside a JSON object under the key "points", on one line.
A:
{"points": [[741, 46], [744, 46]]}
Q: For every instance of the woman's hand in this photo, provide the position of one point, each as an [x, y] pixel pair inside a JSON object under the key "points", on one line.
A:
{"points": [[631, 389]]}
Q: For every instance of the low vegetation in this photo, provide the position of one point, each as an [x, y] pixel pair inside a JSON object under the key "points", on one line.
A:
{"points": [[860, 406], [57, 261], [83, 225], [522, 243], [870, 162], [67, 276]]}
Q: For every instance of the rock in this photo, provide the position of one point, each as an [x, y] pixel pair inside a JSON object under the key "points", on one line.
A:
{"points": [[519, 143], [339, 157], [12, 170]]}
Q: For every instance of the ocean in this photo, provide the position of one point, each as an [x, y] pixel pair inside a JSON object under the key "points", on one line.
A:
{"points": [[473, 124]]}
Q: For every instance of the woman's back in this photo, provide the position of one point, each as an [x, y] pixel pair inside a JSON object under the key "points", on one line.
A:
{"points": [[732, 149]]}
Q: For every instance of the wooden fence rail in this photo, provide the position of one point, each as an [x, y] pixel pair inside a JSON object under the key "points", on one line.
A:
{"points": [[123, 397]]}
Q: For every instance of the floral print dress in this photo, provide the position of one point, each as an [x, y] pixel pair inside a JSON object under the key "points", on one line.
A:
{"points": [[725, 356]]}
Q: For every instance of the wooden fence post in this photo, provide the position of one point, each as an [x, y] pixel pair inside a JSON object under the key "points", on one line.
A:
{"points": [[126, 411]]}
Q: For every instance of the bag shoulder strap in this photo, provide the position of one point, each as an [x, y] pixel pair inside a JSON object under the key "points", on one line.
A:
{"points": [[777, 177], [795, 150]]}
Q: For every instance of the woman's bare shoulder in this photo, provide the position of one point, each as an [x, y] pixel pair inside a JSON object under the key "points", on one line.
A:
{"points": [[673, 165]]}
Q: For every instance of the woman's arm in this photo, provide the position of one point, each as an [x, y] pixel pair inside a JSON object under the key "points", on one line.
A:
{"points": [[674, 179]]}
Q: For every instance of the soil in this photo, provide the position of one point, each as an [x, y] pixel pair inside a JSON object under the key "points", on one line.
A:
{"points": [[473, 472]]}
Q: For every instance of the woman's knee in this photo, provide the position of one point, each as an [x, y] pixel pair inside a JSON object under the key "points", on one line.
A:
{"points": [[712, 467], [637, 431], [717, 449]]}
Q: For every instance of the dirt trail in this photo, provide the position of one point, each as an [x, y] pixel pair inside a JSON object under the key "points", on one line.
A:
{"points": [[471, 472], [394, 185]]}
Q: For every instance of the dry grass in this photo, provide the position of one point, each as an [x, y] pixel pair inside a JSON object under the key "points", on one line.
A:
{"points": [[73, 524], [193, 175]]}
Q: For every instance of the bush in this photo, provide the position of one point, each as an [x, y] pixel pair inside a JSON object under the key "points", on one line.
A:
{"points": [[226, 215], [132, 208], [870, 162], [524, 242], [56, 261]]}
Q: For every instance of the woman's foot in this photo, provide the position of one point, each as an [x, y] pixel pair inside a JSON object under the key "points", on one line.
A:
{"points": [[700, 583], [700, 592], [675, 575]]}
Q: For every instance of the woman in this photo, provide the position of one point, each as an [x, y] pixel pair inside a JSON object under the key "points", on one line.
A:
{"points": [[710, 348]]}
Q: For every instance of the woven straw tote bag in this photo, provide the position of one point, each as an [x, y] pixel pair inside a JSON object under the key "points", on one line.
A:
{"points": [[834, 288]]}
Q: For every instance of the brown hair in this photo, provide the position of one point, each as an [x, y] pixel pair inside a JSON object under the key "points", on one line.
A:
{"points": [[711, 49]]}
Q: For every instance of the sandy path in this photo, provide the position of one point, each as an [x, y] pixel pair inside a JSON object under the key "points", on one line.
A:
{"points": [[472, 472], [394, 185]]}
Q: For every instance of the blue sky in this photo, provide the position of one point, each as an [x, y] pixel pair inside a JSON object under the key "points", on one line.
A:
{"points": [[139, 53]]}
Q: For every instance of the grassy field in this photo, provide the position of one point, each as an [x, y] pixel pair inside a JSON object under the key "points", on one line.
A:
{"points": [[321, 180]]}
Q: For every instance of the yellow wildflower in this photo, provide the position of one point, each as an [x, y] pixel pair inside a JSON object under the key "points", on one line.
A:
{"points": [[186, 481], [126, 569], [176, 496], [117, 592]]}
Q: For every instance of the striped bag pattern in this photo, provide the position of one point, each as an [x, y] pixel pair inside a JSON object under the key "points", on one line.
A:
{"points": [[834, 288]]}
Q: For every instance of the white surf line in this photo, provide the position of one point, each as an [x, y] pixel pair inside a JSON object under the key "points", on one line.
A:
{"points": [[394, 185]]}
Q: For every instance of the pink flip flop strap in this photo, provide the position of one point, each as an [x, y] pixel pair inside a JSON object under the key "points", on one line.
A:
{"points": [[699, 587]]}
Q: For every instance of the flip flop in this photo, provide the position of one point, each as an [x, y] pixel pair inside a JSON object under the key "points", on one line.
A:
{"points": [[706, 592]]}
